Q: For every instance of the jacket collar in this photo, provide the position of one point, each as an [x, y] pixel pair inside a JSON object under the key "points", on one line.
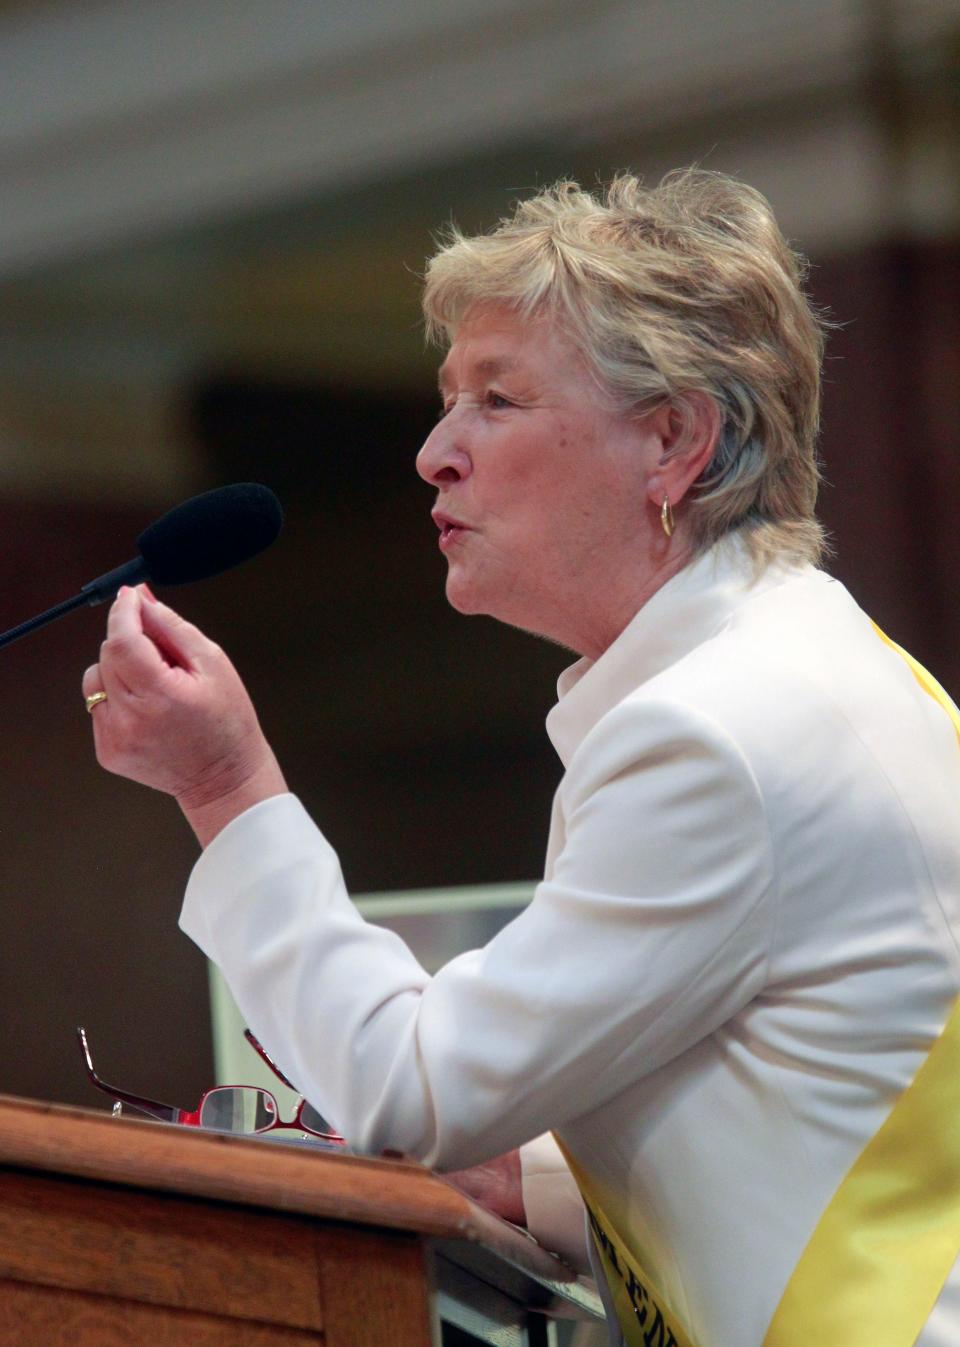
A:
{"points": [[689, 609]]}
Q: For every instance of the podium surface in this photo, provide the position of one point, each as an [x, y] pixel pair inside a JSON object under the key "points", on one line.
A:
{"points": [[116, 1231]]}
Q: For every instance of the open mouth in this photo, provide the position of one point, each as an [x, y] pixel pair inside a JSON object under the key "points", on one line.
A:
{"points": [[450, 529]]}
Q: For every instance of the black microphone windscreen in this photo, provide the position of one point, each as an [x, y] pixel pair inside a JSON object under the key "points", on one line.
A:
{"points": [[211, 533]]}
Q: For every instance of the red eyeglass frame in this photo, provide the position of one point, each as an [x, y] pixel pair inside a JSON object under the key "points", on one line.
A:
{"points": [[170, 1113]]}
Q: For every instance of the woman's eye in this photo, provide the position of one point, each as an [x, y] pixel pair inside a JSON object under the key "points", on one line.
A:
{"points": [[496, 401]]}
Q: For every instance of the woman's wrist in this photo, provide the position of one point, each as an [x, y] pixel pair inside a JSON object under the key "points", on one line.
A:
{"points": [[208, 811]]}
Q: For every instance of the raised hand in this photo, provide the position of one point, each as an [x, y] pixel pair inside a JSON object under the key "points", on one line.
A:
{"points": [[177, 716]]}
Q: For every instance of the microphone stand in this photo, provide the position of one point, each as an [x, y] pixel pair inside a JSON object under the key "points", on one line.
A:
{"points": [[97, 591]]}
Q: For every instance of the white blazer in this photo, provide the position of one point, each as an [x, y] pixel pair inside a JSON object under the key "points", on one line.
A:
{"points": [[744, 944]]}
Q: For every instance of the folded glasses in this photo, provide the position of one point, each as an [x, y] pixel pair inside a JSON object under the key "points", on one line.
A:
{"points": [[244, 1110]]}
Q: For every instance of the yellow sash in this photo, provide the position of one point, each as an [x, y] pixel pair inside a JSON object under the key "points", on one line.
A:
{"points": [[884, 1247], [882, 1250]]}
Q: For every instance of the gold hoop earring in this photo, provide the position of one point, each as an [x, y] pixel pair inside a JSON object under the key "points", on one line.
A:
{"points": [[666, 517]]}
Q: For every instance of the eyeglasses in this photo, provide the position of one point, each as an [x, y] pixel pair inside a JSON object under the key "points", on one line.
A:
{"points": [[244, 1110]]}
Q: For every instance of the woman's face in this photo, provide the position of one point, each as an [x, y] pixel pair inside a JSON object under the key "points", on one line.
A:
{"points": [[541, 489]]}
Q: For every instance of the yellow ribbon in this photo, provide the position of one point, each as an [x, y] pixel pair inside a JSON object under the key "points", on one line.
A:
{"points": [[882, 1250]]}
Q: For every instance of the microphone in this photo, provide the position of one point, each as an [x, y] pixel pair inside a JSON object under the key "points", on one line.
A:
{"points": [[197, 539]]}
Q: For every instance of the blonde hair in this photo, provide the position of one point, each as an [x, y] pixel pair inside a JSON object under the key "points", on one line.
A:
{"points": [[684, 287]]}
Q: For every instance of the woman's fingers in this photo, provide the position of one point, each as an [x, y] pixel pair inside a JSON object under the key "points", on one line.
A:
{"points": [[92, 682], [179, 641], [496, 1185], [177, 716], [123, 615], [145, 642], [129, 660]]}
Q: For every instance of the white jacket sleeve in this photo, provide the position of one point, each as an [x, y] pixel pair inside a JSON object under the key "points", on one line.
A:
{"points": [[650, 932]]}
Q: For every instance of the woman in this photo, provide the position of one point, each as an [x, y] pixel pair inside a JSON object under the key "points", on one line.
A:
{"points": [[731, 997]]}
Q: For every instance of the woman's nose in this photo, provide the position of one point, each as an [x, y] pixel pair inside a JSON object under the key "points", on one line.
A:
{"points": [[441, 458]]}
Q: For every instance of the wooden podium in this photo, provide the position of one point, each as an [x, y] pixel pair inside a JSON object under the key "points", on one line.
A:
{"points": [[118, 1232]]}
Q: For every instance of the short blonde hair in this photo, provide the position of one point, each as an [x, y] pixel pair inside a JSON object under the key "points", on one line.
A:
{"points": [[687, 286]]}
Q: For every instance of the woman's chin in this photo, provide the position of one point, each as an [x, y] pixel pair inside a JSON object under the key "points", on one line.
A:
{"points": [[462, 596], [472, 601], [495, 592], [467, 594]]}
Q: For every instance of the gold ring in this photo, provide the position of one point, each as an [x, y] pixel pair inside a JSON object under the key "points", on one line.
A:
{"points": [[95, 699]]}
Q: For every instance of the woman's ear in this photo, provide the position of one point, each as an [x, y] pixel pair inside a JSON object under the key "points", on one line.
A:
{"points": [[688, 427]]}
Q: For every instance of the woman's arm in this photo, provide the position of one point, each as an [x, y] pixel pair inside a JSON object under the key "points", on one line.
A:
{"points": [[650, 932]]}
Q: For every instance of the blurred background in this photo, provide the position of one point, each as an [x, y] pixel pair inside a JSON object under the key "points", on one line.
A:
{"points": [[212, 219]]}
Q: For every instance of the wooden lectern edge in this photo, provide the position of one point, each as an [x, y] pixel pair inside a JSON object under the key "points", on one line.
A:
{"points": [[387, 1193]]}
